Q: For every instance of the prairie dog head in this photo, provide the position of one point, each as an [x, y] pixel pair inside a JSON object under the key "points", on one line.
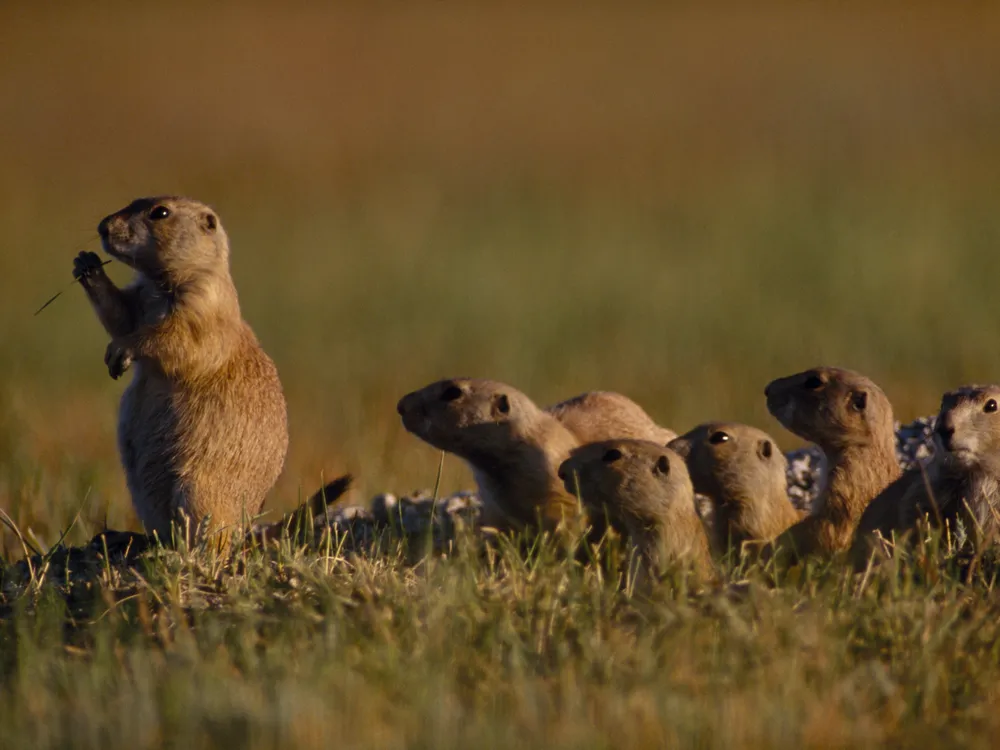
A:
{"points": [[732, 462], [167, 237], [968, 427], [832, 407], [633, 481], [469, 417]]}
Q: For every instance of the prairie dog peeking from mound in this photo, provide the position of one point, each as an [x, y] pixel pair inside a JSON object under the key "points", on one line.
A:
{"points": [[960, 484], [644, 490], [743, 472], [513, 447], [202, 429], [850, 418]]}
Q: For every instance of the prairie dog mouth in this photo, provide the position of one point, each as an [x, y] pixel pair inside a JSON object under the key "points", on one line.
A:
{"points": [[782, 410], [963, 454], [112, 248]]}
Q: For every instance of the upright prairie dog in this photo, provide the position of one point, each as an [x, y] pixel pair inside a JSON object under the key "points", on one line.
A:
{"points": [[513, 446], [202, 428], [644, 490], [850, 419], [963, 478], [744, 474]]}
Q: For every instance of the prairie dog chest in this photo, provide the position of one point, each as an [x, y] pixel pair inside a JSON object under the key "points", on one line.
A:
{"points": [[154, 302]]}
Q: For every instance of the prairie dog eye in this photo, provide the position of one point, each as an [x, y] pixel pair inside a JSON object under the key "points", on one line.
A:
{"points": [[662, 466], [990, 406], [859, 401], [159, 212], [717, 438]]}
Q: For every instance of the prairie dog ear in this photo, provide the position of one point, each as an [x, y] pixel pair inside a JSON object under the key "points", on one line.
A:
{"points": [[501, 404], [209, 221], [859, 401], [662, 466], [765, 449]]}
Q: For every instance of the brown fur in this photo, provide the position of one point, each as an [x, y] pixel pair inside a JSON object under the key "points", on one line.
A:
{"points": [[743, 472], [202, 427], [598, 415], [513, 447], [644, 490], [961, 482], [850, 419]]}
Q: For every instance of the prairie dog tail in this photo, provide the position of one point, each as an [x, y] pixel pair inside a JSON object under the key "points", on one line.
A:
{"points": [[314, 506]]}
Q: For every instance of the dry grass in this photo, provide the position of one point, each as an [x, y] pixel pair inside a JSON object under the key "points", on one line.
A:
{"points": [[675, 201]]}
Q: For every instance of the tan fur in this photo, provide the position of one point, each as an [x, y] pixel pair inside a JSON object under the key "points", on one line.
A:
{"points": [[744, 473], [202, 426], [513, 447], [850, 419], [598, 415], [961, 482], [644, 489]]}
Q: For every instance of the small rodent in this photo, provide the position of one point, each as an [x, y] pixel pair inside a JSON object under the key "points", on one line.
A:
{"points": [[513, 447], [963, 479], [744, 473], [202, 428], [644, 490], [599, 415], [850, 419]]}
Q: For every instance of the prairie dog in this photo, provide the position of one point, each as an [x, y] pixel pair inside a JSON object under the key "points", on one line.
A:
{"points": [[963, 478], [743, 472], [850, 419], [599, 415], [646, 493], [202, 428], [513, 447]]}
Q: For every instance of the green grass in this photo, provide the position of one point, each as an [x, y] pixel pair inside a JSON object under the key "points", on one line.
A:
{"points": [[676, 202], [301, 648]]}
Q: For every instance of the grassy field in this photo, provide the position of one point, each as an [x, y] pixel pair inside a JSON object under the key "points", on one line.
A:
{"points": [[676, 202]]}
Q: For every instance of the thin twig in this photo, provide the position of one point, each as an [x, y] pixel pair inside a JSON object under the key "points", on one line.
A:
{"points": [[60, 293]]}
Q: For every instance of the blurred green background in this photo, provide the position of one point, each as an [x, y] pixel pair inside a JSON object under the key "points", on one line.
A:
{"points": [[679, 202]]}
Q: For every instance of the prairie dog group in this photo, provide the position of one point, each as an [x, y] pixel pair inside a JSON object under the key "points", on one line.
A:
{"points": [[203, 434], [514, 447]]}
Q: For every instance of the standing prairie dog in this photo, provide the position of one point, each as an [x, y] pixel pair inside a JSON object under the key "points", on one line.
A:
{"points": [[744, 474], [513, 446], [644, 490], [961, 482], [202, 428], [850, 419]]}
